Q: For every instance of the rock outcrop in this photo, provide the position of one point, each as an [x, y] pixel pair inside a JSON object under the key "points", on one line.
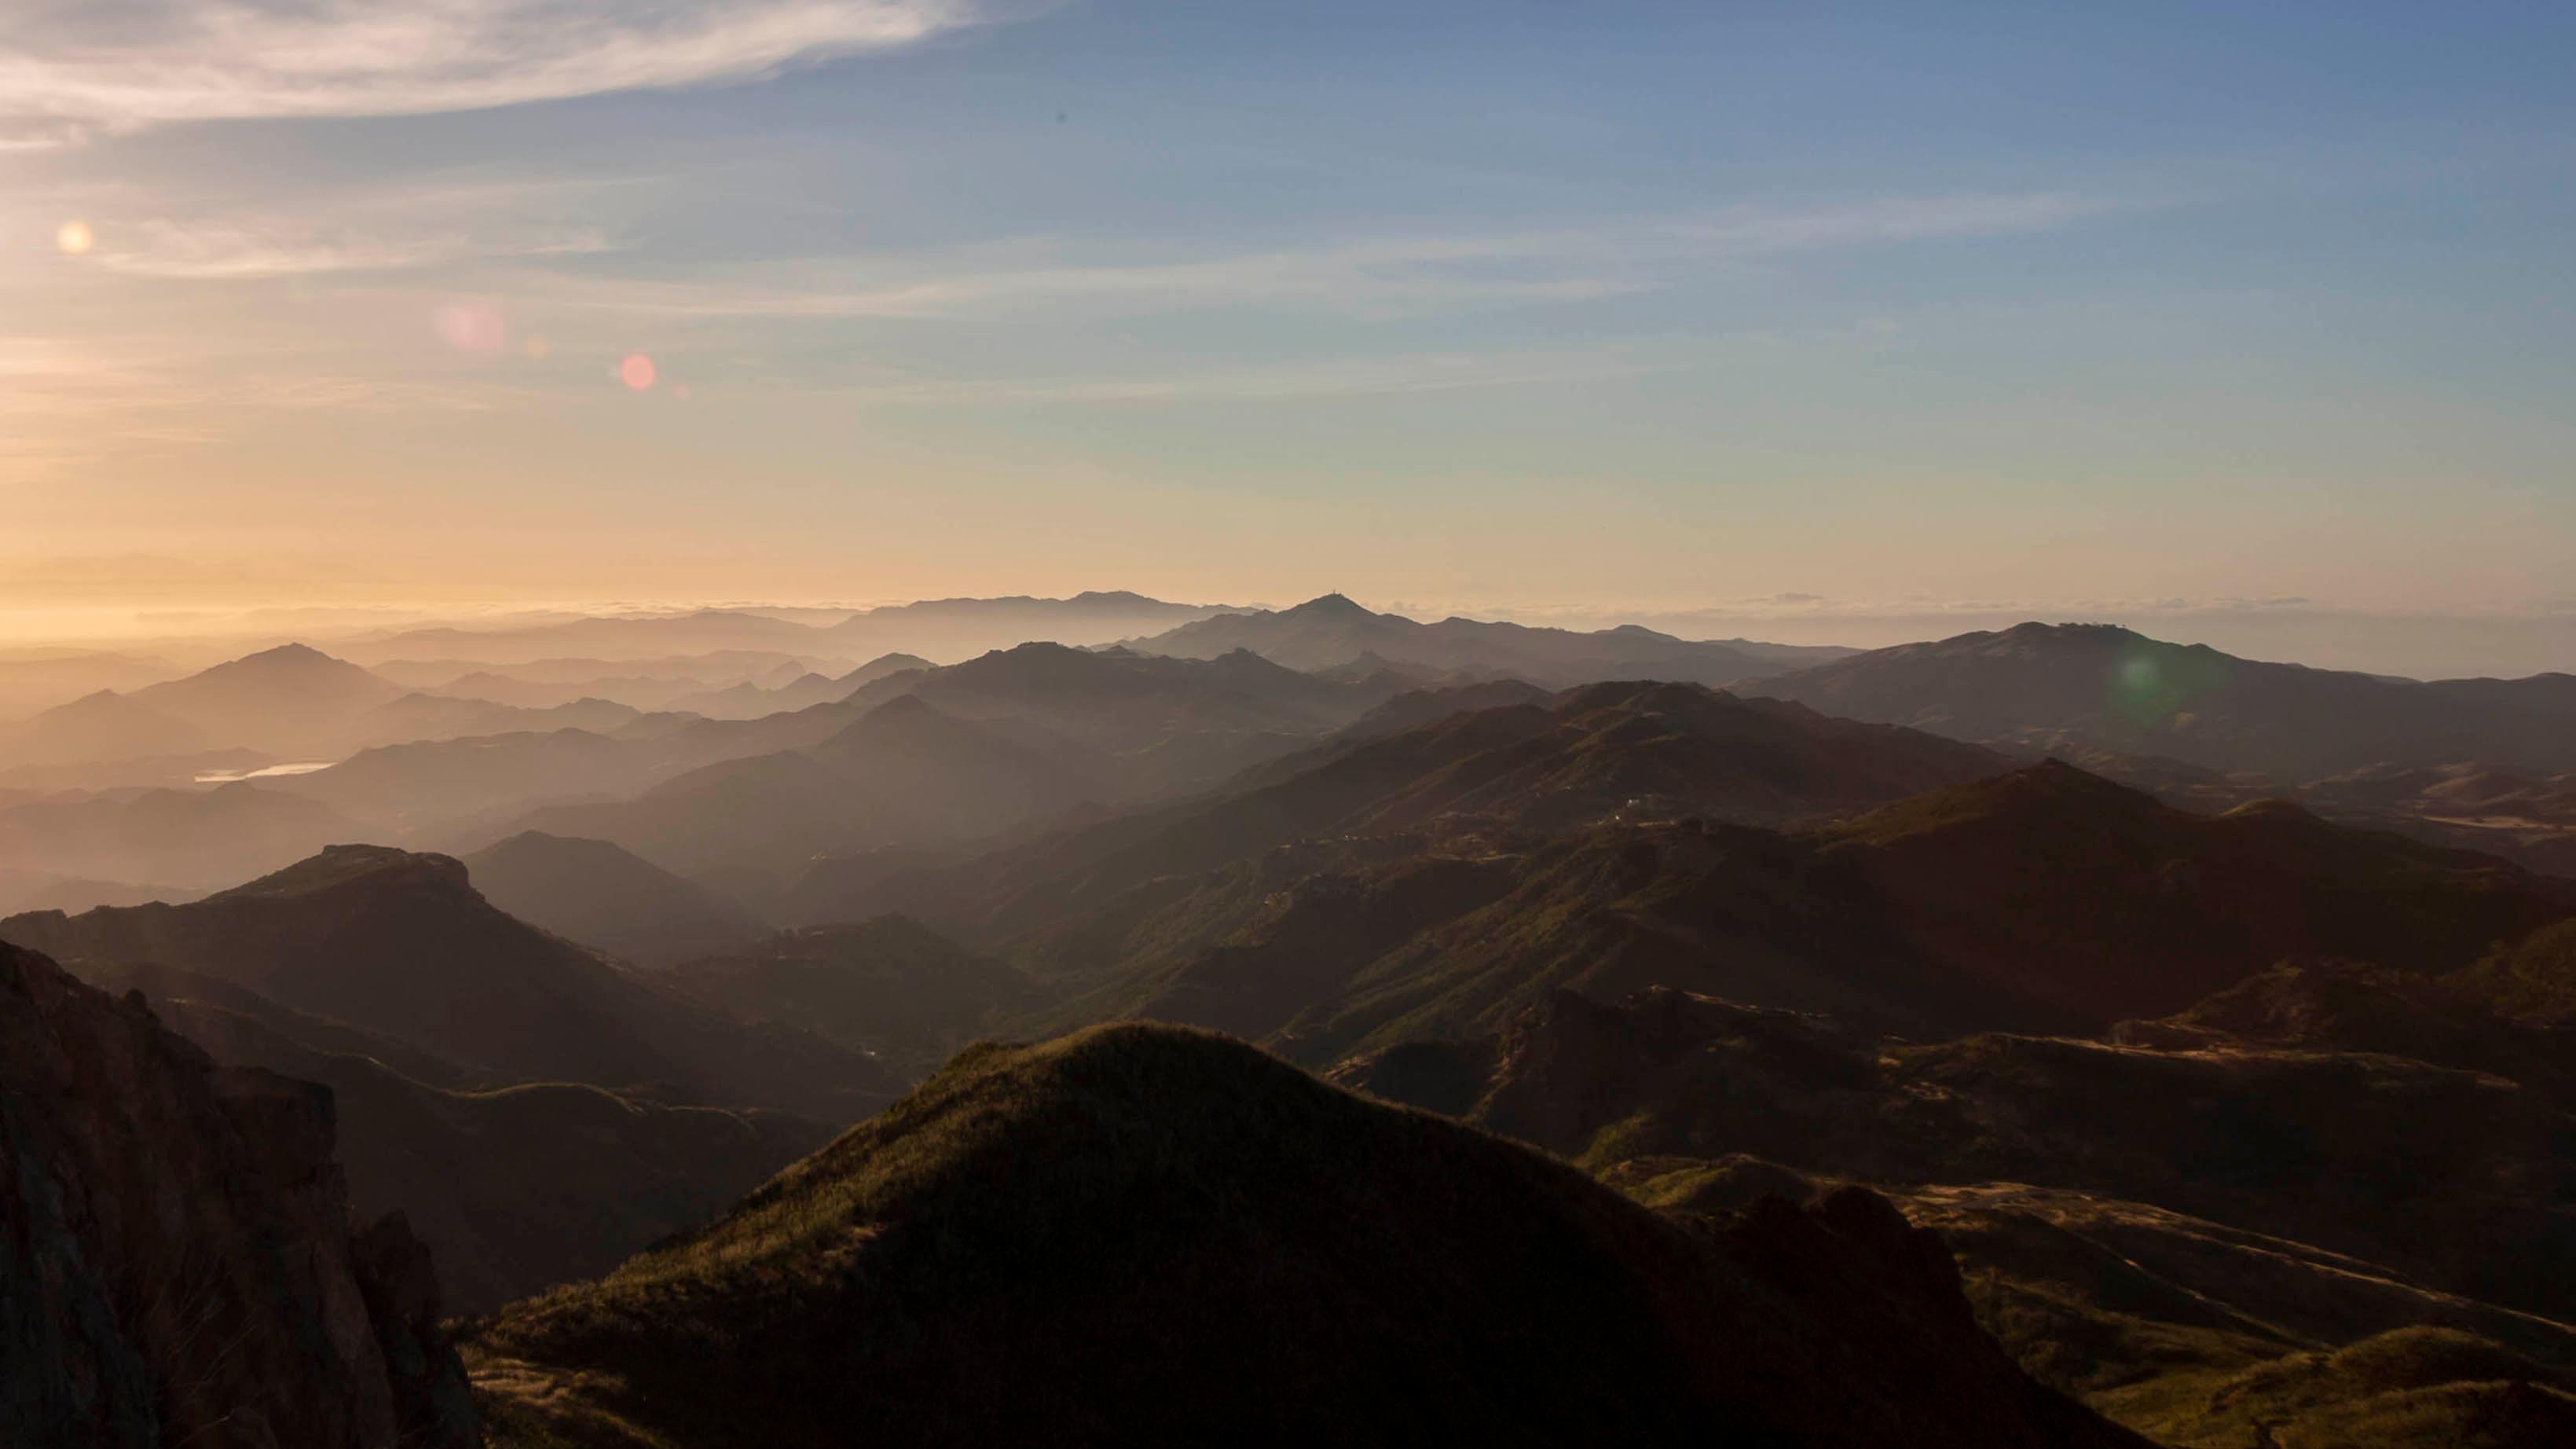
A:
{"points": [[177, 1264]]}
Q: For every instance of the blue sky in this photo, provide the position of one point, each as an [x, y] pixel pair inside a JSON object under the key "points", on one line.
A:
{"points": [[1836, 312]]}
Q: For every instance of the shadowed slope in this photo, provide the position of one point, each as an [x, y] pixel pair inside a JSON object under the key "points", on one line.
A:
{"points": [[1150, 1235], [2455, 1178]]}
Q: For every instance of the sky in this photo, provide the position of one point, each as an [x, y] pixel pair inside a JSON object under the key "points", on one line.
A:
{"points": [[1796, 320]]}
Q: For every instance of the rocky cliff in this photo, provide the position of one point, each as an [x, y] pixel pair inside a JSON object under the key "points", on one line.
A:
{"points": [[177, 1264]]}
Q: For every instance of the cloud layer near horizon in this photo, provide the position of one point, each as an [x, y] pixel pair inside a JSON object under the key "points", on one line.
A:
{"points": [[120, 64]]}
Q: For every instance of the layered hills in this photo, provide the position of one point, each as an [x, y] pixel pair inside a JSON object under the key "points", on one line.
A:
{"points": [[1436, 879], [193, 839], [1118, 1225], [401, 944], [947, 755]]}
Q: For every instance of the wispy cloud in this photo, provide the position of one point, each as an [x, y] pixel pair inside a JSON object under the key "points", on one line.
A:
{"points": [[123, 63], [252, 250], [1281, 382], [1384, 277], [409, 224]]}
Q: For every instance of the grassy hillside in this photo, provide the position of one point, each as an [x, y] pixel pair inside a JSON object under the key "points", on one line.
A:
{"points": [[1144, 1234]]}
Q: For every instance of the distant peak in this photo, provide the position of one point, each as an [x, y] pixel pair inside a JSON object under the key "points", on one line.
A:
{"points": [[1329, 606], [2034, 629], [289, 654]]}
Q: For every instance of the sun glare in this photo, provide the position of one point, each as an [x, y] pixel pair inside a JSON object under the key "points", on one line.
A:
{"points": [[636, 371], [75, 238]]}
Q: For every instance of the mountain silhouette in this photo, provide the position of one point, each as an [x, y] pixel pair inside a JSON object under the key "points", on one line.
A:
{"points": [[286, 700]]}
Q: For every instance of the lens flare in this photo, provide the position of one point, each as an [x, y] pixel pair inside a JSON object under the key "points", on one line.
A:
{"points": [[536, 347], [636, 371], [75, 238], [471, 327]]}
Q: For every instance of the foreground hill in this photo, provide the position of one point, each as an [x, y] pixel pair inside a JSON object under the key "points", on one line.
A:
{"points": [[402, 945], [1332, 631], [600, 895], [1120, 1225], [179, 1263], [2107, 687]]}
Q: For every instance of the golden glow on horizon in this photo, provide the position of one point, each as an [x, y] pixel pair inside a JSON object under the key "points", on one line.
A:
{"points": [[75, 238]]}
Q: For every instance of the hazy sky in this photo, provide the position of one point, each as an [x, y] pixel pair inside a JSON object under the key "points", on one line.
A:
{"points": [[1799, 309]]}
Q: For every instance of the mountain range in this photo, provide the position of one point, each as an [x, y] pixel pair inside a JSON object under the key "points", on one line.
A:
{"points": [[1332, 630], [2099, 685], [1975, 1039], [947, 629]]}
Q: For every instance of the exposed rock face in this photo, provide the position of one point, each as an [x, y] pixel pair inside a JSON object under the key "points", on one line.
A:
{"points": [[176, 1260]]}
